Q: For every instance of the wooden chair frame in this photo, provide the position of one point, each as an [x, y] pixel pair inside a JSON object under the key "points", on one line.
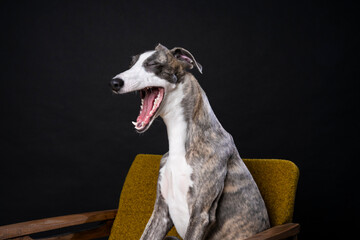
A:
{"points": [[24, 230]]}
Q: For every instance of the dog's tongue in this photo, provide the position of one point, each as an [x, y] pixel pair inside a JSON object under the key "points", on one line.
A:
{"points": [[150, 103]]}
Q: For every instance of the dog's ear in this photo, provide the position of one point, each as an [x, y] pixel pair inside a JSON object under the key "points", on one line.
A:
{"points": [[163, 51], [185, 57], [161, 47]]}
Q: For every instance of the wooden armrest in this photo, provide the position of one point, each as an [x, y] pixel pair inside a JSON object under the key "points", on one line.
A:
{"points": [[47, 224], [277, 232]]}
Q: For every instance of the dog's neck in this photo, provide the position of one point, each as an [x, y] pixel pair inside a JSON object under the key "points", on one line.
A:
{"points": [[173, 116], [176, 131], [187, 113]]}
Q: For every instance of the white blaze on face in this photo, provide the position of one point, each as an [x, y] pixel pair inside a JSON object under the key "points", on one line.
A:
{"points": [[137, 77]]}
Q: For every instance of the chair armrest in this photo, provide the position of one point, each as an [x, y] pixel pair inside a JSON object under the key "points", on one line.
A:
{"points": [[277, 232], [42, 225]]}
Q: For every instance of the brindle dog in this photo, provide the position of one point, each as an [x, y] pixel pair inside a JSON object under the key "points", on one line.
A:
{"points": [[204, 187]]}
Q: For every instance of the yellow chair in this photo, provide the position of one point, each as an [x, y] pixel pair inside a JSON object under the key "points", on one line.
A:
{"points": [[276, 179]]}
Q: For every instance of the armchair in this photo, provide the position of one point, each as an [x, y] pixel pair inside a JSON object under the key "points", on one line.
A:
{"points": [[276, 179]]}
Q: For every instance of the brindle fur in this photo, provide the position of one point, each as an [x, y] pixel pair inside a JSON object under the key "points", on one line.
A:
{"points": [[224, 201]]}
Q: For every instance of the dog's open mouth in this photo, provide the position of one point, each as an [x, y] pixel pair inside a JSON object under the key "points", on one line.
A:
{"points": [[151, 99]]}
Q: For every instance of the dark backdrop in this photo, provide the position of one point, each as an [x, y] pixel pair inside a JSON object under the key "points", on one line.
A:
{"points": [[279, 75]]}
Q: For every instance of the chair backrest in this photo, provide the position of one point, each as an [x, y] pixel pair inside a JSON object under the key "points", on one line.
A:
{"points": [[276, 179]]}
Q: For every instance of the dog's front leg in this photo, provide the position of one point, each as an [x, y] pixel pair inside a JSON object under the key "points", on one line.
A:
{"points": [[160, 222], [204, 210]]}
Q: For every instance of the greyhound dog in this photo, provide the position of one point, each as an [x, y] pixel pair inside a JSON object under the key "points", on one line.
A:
{"points": [[204, 188]]}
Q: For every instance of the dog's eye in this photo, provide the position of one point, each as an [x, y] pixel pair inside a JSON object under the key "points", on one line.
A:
{"points": [[151, 63]]}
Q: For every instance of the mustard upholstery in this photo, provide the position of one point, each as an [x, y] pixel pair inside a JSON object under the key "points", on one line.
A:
{"points": [[276, 179]]}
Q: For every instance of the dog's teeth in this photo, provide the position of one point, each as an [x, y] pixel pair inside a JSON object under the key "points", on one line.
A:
{"points": [[134, 123], [142, 104], [138, 128]]}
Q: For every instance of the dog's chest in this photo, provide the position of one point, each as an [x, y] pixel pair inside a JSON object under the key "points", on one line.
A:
{"points": [[174, 185]]}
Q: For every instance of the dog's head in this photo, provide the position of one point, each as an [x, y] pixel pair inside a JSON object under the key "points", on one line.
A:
{"points": [[155, 74]]}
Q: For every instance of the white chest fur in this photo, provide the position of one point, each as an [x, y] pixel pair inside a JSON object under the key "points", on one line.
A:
{"points": [[175, 182], [176, 173]]}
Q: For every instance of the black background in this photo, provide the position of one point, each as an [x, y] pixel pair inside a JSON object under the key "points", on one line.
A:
{"points": [[280, 76]]}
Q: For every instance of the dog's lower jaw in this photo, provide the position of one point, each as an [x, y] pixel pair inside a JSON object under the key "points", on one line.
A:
{"points": [[151, 102]]}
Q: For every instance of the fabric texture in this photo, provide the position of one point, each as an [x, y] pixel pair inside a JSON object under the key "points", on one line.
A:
{"points": [[276, 179]]}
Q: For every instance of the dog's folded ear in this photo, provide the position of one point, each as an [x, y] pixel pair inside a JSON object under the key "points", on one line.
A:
{"points": [[186, 58], [161, 47]]}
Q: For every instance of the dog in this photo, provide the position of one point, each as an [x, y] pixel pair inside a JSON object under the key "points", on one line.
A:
{"points": [[204, 188]]}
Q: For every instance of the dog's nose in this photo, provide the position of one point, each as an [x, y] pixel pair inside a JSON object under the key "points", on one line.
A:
{"points": [[116, 84]]}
